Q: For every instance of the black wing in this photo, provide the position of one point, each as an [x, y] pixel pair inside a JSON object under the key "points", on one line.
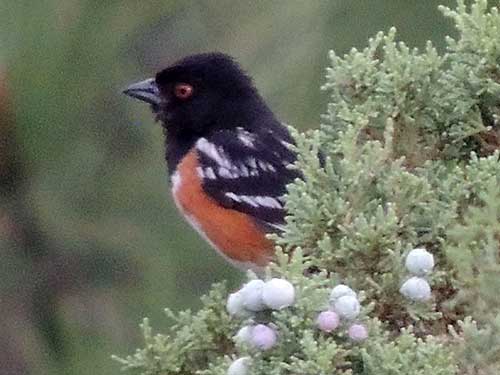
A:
{"points": [[248, 171]]}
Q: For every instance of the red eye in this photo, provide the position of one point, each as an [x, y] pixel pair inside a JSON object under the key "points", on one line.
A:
{"points": [[183, 91]]}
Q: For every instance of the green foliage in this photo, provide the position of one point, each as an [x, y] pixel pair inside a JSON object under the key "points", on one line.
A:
{"points": [[201, 343], [406, 354], [410, 145], [199, 339]]}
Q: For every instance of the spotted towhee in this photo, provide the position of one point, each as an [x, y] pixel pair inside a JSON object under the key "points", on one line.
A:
{"points": [[227, 154]]}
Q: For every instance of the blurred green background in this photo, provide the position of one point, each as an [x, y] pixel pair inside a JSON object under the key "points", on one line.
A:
{"points": [[90, 242]]}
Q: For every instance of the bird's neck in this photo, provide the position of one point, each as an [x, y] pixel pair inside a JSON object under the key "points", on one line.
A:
{"points": [[177, 145]]}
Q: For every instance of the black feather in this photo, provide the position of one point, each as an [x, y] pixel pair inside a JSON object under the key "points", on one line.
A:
{"points": [[224, 104]]}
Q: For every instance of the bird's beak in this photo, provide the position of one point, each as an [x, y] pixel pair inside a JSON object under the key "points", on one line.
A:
{"points": [[146, 90]]}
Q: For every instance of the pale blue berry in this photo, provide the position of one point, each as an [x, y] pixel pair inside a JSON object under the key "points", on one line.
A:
{"points": [[252, 295], [357, 332], [244, 335], [263, 337], [234, 304], [347, 307], [278, 294], [419, 261], [239, 366], [340, 291], [416, 289], [327, 321]]}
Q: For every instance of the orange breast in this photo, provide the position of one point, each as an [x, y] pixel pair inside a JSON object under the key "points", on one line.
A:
{"points": [[231, 232]]}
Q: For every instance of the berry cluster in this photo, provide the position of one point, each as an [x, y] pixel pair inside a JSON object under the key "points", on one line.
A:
{"points": [[253, 297], [256, 296], [419, 262], [277, 294], [344, 305]]}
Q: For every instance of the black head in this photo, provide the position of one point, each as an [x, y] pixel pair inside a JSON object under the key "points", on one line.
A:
{"points": [[201, 93]]}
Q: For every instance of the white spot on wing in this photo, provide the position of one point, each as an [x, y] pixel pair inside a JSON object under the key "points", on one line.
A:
{"points": [[252, 163], [250, 167], [233, 196], [267, 202], [256, 200], [210, 174], [246, 137], [206, 173], [277, 226], [285, 143], [213, 152], [265, 166], [248, 200], [226, 173], [243, 170]]}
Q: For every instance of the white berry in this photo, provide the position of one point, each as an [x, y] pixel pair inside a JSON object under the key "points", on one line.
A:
{"points": [[340, 291], [239, 366], [278, 294], [234, 304], [419, 262], [244, 335], [347, 307], [357, 332], [263, 337], [252, 295], [416, 289]]}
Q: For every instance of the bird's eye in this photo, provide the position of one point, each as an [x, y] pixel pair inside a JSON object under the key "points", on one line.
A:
{"points": [[183, 91]]}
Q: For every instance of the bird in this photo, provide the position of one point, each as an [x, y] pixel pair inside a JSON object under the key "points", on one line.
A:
{"points": [[228, 157]]}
